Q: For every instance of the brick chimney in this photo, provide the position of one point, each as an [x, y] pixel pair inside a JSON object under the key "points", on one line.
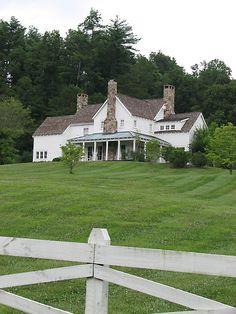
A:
{"points": [[82, 100], [110, 123], [169, 100]]}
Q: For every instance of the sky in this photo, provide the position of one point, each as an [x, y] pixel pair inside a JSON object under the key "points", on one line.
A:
{"points": [[188, 30]]}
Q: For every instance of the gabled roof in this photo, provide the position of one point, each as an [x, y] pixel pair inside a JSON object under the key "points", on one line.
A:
{"points": [[146, 108], [57, 125], [190, 116]]}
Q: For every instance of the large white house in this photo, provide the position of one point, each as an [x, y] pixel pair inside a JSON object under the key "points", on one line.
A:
{"points": [[109, 131]]}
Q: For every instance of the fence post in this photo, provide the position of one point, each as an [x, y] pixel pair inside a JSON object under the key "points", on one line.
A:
{"points": [[96, 289]]}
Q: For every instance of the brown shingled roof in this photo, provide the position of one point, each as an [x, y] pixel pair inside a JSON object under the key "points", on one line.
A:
{"points": [[57, 125], [191, 116], [146, 108]]}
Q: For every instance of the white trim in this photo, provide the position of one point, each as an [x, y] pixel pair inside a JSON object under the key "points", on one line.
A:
{"points": [[121, 103], [102, 106], [26, 305]]}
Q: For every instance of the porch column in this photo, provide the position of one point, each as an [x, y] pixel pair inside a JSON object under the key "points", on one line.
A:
{"points": [[134, 146], [84, 151], [118, 150], [94, 151], [106, 157]]}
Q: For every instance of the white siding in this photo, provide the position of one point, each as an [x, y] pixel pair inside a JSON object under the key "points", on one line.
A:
{"points": [[175, 139], [49, 143], [160, 114], [99, 118], [200, 123], [76, 130]]}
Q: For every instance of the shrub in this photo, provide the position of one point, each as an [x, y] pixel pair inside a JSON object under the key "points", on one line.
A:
{"points": [[153, 151], [56, 159], [166, 152], [199, 159], [179, 157]]}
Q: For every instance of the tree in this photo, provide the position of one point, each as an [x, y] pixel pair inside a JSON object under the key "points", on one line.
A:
{"points": [[71, 155], [222, 147], [15, 120], [200, 140], [152, 151]]}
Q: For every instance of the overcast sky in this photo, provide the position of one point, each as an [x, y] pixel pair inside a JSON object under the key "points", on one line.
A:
{"points": [[188, 30]]}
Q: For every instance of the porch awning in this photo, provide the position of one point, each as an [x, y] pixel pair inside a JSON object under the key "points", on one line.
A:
{"points": [[126, 135]]}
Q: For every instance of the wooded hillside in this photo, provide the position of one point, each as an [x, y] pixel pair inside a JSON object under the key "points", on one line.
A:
{"points": [[43, 73]]}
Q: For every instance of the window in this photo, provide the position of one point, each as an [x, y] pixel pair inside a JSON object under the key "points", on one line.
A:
{"points": [[37, 155], [102, 125], [122, 123], [167, 127], [162, 127], [45, 155], [41, 155], [150, 127], [86, 130], [135, 123], [172, 127]]}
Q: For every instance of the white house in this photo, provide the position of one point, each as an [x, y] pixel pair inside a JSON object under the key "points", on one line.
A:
{"points": [[109, 131]]}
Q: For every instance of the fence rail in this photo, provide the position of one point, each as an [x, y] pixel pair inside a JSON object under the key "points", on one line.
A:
{"points": [[98, 254]]}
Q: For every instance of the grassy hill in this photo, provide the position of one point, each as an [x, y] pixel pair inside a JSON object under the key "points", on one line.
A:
{"points": [[140, 204]]}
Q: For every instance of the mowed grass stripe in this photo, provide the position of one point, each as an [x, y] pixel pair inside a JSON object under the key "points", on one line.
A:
{"points": [[140, 204]]}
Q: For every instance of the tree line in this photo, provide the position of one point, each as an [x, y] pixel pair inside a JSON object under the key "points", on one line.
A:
{"points": [[41, 74]]}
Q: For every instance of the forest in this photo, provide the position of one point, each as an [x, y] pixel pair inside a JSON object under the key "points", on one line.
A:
{"points": [[41, 74]]}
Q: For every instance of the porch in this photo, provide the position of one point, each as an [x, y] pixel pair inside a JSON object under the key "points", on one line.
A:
{"points": [[114, 146]]}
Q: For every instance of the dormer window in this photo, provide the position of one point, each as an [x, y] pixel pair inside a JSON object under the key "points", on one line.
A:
{"points": [[167, 127], [86, 131], [172, 126], [162, 127]]}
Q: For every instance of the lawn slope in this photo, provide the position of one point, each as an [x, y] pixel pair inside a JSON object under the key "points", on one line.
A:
{"points": [[140, 204]]}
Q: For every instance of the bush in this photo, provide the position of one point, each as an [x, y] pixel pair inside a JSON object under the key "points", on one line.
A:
{"points": [[56, 159], [199, 159], [166, 152], [179, 157], [138, 155], [153, 151]]}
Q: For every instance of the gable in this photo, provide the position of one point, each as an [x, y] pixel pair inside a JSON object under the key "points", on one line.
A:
{"points": [[187, 120]]}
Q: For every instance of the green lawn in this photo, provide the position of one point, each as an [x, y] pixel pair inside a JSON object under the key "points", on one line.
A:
{"points": [[140, 204]]}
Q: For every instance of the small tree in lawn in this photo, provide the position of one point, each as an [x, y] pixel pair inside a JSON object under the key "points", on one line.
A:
{"points": [[152, 151], [222, 147], [71, 155]]}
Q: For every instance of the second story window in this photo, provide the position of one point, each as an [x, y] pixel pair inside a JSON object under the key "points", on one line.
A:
{"points": [[86, 130], [162, 127], [172, 127], [150, 127], [135, 123], [122, 123], [167, 127], [102, 125]]}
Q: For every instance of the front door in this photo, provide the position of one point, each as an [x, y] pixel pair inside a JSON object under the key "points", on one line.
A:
{"points": [[100, 153]]}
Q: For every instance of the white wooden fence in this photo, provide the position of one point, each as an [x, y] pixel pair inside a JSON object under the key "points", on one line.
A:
{"points": [[98, 254]]}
